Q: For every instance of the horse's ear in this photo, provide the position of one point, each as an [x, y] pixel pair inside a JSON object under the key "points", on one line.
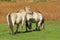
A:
{"points": [[25, 7]]}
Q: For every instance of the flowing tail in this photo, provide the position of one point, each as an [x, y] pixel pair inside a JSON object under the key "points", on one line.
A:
{"points": [[9, 20], [43, 24]]}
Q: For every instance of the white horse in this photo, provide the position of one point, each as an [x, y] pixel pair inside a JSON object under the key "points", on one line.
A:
{"points": [[34, 17], [16, 18]]}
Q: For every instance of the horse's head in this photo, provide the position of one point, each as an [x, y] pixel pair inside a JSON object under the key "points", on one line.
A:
{"points": [[28, 9]]}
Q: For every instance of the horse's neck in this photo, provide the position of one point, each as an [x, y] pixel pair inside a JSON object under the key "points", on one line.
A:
{"points": [[30, 13]]}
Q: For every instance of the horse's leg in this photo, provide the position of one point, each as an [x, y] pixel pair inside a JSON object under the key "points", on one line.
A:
{"points": [[17, 28], [30, 26], [39, 28], [21, 28], [11, 28], [36, 25], [43, 26], [26, 25], [11, 24], [22, 25]]}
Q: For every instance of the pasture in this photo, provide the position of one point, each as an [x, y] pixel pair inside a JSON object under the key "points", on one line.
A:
{"points": [[51, 32]]}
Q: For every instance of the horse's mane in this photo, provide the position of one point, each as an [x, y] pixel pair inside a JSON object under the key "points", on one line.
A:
{"points": [[21, 10]]}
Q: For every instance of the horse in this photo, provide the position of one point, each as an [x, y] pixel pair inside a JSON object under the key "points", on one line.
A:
{"points": [[34, 17], [16, 18]]}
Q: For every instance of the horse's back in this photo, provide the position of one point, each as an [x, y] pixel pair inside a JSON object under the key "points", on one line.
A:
{"points": [[40, 16]]}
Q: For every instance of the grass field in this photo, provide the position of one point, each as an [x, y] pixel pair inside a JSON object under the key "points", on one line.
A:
{"points": [[51, 32]]}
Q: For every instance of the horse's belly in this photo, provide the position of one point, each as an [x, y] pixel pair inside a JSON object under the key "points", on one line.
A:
{"points": [[18, 20], [32, 20]]}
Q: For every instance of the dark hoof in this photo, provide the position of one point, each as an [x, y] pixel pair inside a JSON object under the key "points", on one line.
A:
{"points": [[39, 30], [17, 32], [30, 30], [34, 30], [27, 31]]}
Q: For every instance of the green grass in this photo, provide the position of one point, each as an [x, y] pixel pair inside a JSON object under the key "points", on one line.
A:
{"points": [[51, 32]]}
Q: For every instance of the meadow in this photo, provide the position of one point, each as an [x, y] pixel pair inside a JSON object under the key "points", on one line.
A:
{"points": [[51, 32], [50, 10]]}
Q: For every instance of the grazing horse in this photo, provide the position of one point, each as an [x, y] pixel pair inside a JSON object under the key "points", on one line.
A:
{"points": [[34, 17], [16, 18]]}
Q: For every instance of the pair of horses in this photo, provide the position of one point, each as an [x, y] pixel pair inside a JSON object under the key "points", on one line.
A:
{"points": [[25, 15]]}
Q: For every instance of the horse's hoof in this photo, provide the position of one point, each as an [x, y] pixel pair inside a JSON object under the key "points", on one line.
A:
{"points": [[35, 30], [26, 31], [15, 33], [30, 31], [39, 30]]}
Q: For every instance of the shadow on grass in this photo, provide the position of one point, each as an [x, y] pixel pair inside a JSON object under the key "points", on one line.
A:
{"points": [[26, 31]]}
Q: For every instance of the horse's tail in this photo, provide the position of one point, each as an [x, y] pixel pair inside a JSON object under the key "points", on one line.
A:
{"points": [[43, 22], [9, 20]]}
